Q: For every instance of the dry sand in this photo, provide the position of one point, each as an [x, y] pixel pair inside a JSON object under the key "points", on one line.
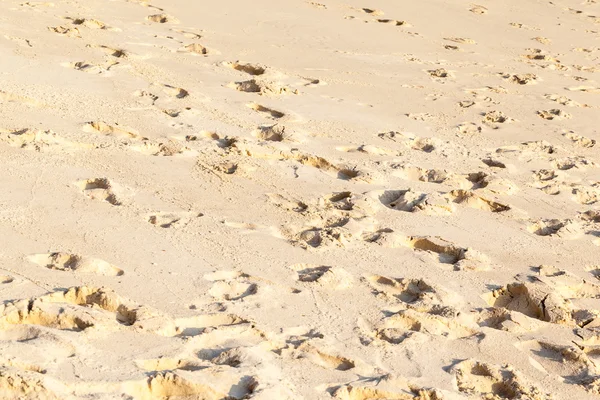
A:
{"points": [[299, 200]]}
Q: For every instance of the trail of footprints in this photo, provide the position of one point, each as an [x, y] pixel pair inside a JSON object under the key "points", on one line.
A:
{"points": [[222, 348], [225, 354]]}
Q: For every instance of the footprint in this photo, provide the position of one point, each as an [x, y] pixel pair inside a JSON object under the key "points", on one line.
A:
{"points": [[553, 114], [261, 87], [170, 364], [231, 285], [544, 299], [328, 277], [579, 140], [168, 220], [439, 73], [117, 53], [168, 148], [384, 388], [88, 23], [569, 363], [175, 91], [266, 110], [99, 189], [272, 133], [469, 128], [411, 201], [317, 5], [492, 163], [564, 229], [523, 26], [322, 358], [65, 31], [371, 11], [491, 118], [90, 67], [448, 253], [7, 97], [170, 384], [492, 381], [195, 48], [111, 130], [586, 194], [470, 199], [187, 34], [393, 22], [410, 140], [75, 263], [477, 9], [38, 140], [521, 79], [162, 18], [251, 69], [542, 40], [461, 40]]}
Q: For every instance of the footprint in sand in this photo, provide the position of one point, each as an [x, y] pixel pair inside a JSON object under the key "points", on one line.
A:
{"points": [[237, 286], [493, 163], [555, 228], [116, 130], [262, 88], [523, 26], [176, 92], [440, 74], [8, 97], [23, 42], [187, 34], [553, 114], [266, 110], [328, 277], [251, 69], [272, 133], [101, 189], [38, 140], [492, 381], [370, 11], [387, 387], [460, 40], [171, 220], [194, 48], [473, 200], [89, 23], [417, 202], [469, 129], [111, 51], [478, 9], [492, 118], [521, 79], [393, 22], [424, 310], [448, 253], [579, 140], [553, 296], [75, 263], [65, 31], [90, 67], [574, 363], [162, 18], [232, 286], [167, 148]]}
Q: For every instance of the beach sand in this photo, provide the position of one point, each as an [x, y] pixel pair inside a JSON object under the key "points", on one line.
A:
{"points": [[299, 200]]}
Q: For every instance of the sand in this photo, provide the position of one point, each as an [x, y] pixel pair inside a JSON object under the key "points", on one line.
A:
{"points": [[299, 200]]}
